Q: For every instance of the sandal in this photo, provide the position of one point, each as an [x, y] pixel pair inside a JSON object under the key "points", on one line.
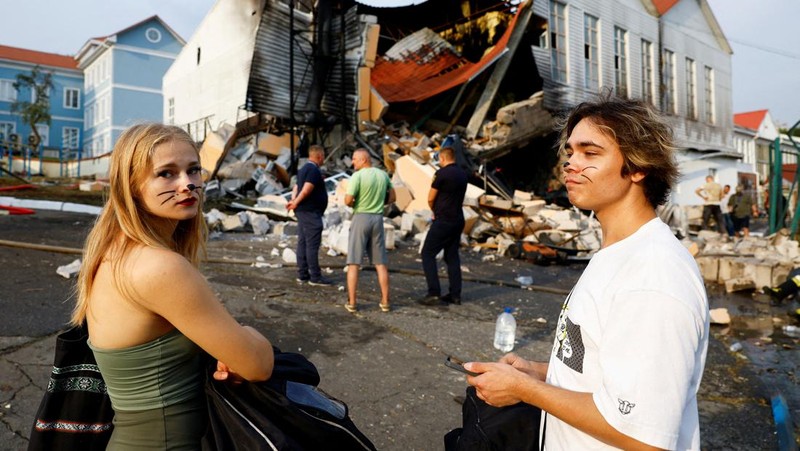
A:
{"points": [[351, 308], [385, 308]]}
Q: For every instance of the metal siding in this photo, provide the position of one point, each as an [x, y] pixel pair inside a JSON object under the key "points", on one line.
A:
{"points": [[269, 83]]}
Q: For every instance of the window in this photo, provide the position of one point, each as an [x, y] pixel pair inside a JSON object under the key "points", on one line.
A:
{"points": [[171, 111], [70, 137], [709, 79], [647, 71], [621, 62], [691, 89], [72, 98], [101, 111], [6, 130], [668, 77], [34, 97], [558, 41], [153, 35], [7, 91], [44, 133], [591, 53]]}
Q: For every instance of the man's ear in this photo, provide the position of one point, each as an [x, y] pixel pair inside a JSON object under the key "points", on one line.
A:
{"points": [[637, 177]]}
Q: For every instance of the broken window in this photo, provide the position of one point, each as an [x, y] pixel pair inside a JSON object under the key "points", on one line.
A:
{"points": [[558, 41], [647, 71], [591, 53], [621, 62], [709, 81], [668, 77], [691, 90], [538, 28]]}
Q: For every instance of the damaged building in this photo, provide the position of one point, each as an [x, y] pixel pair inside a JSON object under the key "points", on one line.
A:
{"points": [[263, 79], [493, 73]]}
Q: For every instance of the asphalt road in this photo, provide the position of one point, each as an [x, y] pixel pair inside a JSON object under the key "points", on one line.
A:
{"points": [[387, 367]]}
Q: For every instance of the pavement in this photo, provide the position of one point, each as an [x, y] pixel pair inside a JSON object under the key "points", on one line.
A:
{"points": [[388, 367]]}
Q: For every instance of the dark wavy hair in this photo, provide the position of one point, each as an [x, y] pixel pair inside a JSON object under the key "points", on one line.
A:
{"points": [[644, 139]]}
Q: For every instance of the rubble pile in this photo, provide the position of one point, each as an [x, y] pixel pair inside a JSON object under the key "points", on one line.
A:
{"points": [[252, 165], [746, 263]]}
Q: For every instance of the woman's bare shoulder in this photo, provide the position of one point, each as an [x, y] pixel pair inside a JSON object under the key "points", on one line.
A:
{"points": [[149, 265]]}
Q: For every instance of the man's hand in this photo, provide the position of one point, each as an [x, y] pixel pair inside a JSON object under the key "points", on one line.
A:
{"points": [[498, 382], [537, 370], [291, 205]]}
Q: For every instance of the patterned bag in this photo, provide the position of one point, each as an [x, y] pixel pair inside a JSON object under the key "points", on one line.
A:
{"points": [[75, 412]]}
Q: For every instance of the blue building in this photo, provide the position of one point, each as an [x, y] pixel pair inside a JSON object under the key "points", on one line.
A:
{"points": [[122, 80], [66, 98]]}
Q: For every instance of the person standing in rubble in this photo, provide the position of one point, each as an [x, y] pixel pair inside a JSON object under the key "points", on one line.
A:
{"points": [[726, 210], [742, 207], [632, 336], [368, 190], [445, 198], [711, 193], [309, 201], [150, 312]]}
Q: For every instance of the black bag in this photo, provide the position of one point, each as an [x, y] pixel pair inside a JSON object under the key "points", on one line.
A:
{"points": [[287, 412], [75, 412], [487, 428]]}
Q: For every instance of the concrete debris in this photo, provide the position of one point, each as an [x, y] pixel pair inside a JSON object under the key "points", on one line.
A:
{"points": [[289, 256], [69, 270], [720, 316], [746, 263]]}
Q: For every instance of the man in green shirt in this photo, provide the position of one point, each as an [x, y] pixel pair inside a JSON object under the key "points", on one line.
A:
{"points": [[368, 190], [742, 207]]}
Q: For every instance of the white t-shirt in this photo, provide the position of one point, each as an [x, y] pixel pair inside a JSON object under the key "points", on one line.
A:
{"points": [[634, 333]]}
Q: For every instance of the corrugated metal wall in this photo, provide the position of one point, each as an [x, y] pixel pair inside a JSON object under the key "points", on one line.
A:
{"points": [[269, 84]]}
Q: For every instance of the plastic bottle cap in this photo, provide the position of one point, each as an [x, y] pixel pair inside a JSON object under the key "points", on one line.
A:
{"points": [[508, 310]]}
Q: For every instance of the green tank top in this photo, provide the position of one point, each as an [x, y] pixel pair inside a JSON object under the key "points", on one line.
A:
{"points": [[156, 374]]}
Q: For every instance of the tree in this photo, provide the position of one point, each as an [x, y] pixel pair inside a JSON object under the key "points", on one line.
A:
{"points": [[37, 112]]}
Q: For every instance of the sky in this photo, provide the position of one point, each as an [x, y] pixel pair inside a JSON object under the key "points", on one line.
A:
{"points": [[762, 33]]}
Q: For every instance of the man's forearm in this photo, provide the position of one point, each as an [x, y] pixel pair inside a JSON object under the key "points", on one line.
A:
{"points": [[578, 410]]}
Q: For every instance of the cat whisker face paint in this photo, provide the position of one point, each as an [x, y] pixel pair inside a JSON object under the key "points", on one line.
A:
{"points": [[172, 192]]}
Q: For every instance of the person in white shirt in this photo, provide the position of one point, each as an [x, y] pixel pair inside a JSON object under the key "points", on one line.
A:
{"points": [[631, 339]]}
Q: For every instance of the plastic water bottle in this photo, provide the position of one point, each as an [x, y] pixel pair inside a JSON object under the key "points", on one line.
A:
{"points": [[504, 331]]}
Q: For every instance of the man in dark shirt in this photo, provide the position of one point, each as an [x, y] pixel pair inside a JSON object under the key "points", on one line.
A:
{"points": [[309, 201], [445, 198]]}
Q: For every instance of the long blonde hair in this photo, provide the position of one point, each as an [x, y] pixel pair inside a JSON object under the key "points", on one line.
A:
{"points": [[125, 222]]}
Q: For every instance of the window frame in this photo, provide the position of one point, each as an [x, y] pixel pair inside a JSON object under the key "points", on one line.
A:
{"points": [[621, 85], [68, 96], [710, 103], [558, 42], [691, 88], [44, 132], [648, 80], [64, 137], [7, 87], [10, 126], [591, 52], [669, 103]]}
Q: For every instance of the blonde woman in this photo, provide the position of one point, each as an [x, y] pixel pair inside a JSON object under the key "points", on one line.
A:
{"points": [[149, 310]]}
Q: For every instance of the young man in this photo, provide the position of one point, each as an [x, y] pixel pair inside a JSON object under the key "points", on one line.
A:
{"points": [[368, 190], [445, 198], [631, 340], [711, 193], [309, 205]]}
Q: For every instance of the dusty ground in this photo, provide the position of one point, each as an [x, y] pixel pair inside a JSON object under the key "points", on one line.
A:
{"points": [[387, 367]]}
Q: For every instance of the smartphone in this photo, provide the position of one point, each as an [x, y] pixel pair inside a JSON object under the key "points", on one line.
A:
{"points": [[458, 365]]}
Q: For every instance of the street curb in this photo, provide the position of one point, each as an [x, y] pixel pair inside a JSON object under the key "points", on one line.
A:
{"points": [[50, 205]]}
